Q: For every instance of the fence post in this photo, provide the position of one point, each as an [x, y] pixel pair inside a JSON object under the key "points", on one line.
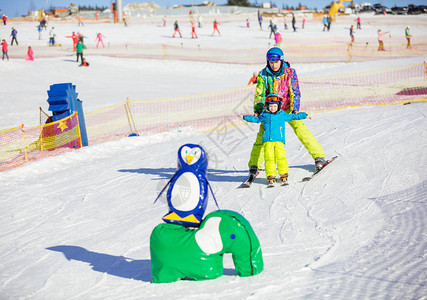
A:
{"points": [[130, 118], [25, 142], [78, 129]]}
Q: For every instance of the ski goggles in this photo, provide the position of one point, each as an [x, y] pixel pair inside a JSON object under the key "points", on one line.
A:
{"points": [[272, 98], [273, 57]]}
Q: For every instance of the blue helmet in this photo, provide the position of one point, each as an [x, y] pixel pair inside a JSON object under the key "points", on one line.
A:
{"points": [[275, 54]]}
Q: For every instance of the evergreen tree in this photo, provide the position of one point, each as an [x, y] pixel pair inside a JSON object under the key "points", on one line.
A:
{"points": [[239, 3]]}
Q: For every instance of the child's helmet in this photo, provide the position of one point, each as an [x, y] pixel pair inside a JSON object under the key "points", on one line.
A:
{"points": [[275, 54], [273, 98]]}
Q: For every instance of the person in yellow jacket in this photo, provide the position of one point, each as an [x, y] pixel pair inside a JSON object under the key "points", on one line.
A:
{"points": [[279, 78]]}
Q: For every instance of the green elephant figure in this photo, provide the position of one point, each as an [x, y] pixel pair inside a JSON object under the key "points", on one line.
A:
{"points": [[179, 252]]}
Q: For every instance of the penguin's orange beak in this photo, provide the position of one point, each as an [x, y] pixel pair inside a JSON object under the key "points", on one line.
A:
{"points": [[190, 158]]}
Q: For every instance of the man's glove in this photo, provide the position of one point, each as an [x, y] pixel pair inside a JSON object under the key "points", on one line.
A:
{"points": [[258, 108]]}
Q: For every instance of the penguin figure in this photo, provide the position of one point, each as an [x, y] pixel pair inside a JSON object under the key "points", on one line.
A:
{"points": [[188, 188]]}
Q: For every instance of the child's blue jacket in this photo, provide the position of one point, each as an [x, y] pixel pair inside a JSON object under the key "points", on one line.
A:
{"points": [[274, 124]]}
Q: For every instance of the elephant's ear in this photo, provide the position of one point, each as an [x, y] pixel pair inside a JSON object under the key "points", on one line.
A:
{"points": [[208, 238]]}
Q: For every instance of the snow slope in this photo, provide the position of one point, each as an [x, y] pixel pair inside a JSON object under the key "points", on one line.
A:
{"points": [[77, 226]]}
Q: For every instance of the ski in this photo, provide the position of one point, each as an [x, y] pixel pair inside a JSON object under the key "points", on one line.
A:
{"points": [[318, 171]]}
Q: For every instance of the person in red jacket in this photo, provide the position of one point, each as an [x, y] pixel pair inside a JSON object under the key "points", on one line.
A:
{"points": [[75, 39], [215, 25], [4, 49], [193, 30], [4, 19], [30, 54]]}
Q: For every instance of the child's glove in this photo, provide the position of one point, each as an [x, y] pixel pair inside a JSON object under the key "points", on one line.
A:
{"points": [[302, 115]]}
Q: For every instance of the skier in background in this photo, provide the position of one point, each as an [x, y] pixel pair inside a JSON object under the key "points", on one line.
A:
{"points": [[380, 40], [99, 38], [408, 37], [13, 34], [193, 30], [272, 29], [75, 39], [278, 39], [293, 22], [325, 22], [4, 19], [358, 24], [260, 19], [30, 53], [352, 34], [215, 26], [176, 28], [80, 21], [4, 49], [52, 37], [200, 20], [79, 49], [279, 78]]}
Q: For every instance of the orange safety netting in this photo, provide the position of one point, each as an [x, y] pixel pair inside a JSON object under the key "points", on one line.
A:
{"points": [[209, 112], [22, 144]]}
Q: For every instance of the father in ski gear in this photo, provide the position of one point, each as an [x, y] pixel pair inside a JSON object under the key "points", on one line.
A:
{"points": [[279, 78]]}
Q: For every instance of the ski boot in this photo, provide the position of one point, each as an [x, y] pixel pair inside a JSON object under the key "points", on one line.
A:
{"points": [[271, 181], [320, 162], [284, 179], [253, 173]]}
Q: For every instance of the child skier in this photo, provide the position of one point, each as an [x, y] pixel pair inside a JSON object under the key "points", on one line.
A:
{"points": [[176, 28], [75, 39], [13, 34], [273, 137], [4, 49], [99, 38], [30, 53], [193, 30], [79, 48], [215, 26], [380, 40]]}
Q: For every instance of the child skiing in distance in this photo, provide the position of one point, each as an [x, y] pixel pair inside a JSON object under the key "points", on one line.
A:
{"points": [[79, 48], [408, 37], [278, 40], [176, 28], [352, 34], [193, 30], [99, 38], [4, 49], [380, 40], [75, 39], [13, 34], [273, 137], [215, 26], [30, 53], [52, 37]]}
